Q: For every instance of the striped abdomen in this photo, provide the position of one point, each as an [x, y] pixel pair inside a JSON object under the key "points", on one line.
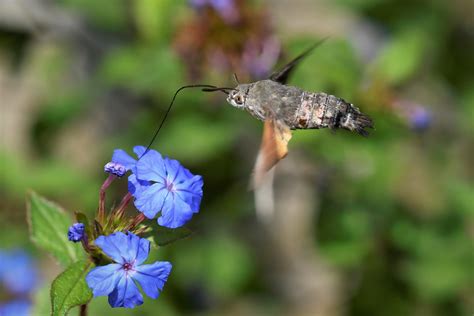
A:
{"points": [[320, 110]]}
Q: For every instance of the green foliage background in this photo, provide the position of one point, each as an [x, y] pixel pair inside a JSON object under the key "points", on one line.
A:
{"points": [[401, 223]]}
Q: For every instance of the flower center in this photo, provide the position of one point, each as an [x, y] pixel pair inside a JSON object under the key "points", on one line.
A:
{"points": [[169, 185], [127, 266]]}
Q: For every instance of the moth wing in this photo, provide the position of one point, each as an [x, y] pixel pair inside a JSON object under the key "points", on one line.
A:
{"points": [[273, 148], [283, 74]]}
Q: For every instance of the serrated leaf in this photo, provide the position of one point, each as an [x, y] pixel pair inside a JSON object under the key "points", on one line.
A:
{"points": [[163, 236], [48, 229], [70, 289]]}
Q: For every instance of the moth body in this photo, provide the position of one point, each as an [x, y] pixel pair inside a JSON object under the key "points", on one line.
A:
{"points": [[296, 108]]}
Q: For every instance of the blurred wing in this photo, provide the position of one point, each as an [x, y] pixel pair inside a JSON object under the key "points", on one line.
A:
{"points": [[283, 74], [274, 147]]}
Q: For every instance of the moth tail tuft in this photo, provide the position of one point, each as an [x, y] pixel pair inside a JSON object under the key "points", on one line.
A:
{"points": [[357, 122]]}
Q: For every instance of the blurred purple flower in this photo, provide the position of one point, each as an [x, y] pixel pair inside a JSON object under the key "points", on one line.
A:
{"points": [[18, 307], [118, 280], [417, 116], [227, 9], [259, 58], [18, 272], [420, 118], [76, 232], [163, 184]]}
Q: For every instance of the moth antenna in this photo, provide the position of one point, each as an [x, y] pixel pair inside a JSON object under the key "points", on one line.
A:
{"points": [[169, 109], [236, 78]]}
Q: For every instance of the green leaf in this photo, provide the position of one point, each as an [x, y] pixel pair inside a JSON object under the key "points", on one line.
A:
{"points": [[402, 57], [153, 18], [48, 229], [163, 236], [70, 289]]}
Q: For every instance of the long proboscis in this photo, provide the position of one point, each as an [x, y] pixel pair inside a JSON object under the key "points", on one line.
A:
{"points": [[222, 89], [205, 88]]}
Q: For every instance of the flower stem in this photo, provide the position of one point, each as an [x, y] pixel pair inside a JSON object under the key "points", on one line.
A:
{"points": [[118, 212], [83, 310], [136, 221], [103, 188], [122, 206]]}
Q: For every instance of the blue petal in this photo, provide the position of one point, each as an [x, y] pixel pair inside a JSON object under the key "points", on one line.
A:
{"points": [[152, 277], [137, 249], [191, 192], [175, 213], [121, 157], [102, 280], [135, 186], [139, 150], [126, 294], [151, 167], [173, 168], [152, 199], [118, 246], [183, 175]]}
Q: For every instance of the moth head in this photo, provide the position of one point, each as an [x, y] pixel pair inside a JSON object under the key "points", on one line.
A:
{"points": [[237, 97]]}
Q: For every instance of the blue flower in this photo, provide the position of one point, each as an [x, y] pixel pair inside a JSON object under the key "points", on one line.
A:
{"points": [[118, 280], [163, 184], [18, 307], [18, 272], [76, 232]]}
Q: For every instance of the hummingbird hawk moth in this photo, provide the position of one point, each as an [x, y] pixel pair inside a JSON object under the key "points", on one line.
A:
{"points": [[284, 108]]}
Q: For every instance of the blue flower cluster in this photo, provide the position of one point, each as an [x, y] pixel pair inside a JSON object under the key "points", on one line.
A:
{"points": [[160, 184], [19, 277], [118, 279]]}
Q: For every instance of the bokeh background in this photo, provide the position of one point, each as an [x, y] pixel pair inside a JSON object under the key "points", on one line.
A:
{"points": [[358, 226]]}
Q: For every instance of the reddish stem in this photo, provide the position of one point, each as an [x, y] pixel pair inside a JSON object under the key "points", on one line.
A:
{"points": [[120, 210], [136, 221], [103, 188]]}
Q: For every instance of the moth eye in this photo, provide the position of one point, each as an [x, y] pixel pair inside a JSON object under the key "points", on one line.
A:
{"points": [[239, 99]]}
